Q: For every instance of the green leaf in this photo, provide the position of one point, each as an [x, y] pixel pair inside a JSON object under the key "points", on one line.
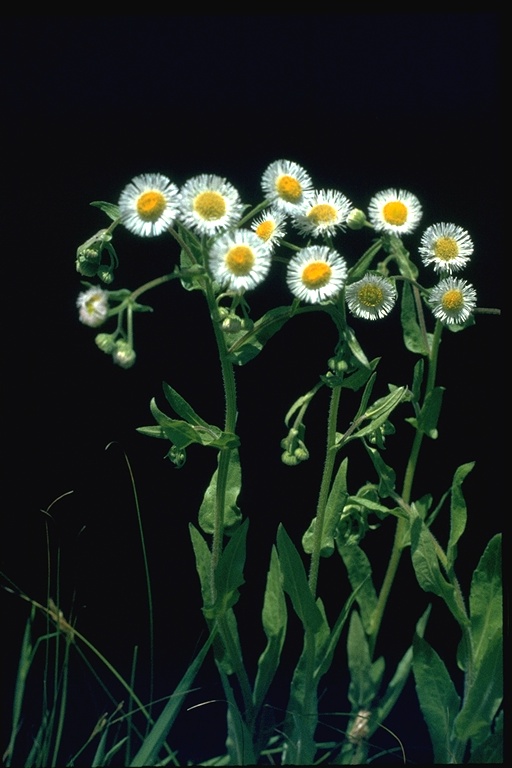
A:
{"points": [[203, 564], [395, 247], [182, 433], [490, 750], [302, 708], [414, 339], [364, 677], [380, 411], [396, 685], [359, 572], [334, 508], [110, 209], [358, 379], [438, 698], [229, 574], [148, 753], [485, 693], [363, 264], [191, 262], [387, 476], [295, 582], [355, 347], [325, 652], [250, 343], [274, 619], [425, 560], [486, 599], [485, 683], [458, 512], [182, 408], [232, 514], [429, 414], [417, 380], [239, 741]]}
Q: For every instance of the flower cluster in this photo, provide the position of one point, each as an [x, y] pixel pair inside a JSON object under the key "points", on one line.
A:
{"points": [[237, 247]]}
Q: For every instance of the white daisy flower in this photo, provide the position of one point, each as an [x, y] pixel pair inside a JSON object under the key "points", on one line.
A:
{"points": [[323, 214], [92, 307], [316, 273], [372, 297], [287, 185], [446, 247], [452, 300], [148, 204], [209, 204], [269, 227], [396, 212], [239, 260]]}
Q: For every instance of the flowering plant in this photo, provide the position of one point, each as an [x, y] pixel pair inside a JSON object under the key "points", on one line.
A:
{"points": [[223, 250]]}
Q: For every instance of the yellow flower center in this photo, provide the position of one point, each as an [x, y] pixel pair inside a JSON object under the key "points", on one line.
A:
{"points": [[453, 300], [151, 205], [240, 260], [289, 189], [265, 230], [92, 302], [210, 205], [446, 249], [370, 295], [316, 274], [395, 213], [322, 214]]}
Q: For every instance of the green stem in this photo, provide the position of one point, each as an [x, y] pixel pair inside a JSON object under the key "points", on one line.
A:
{"points": [[330, 458], [228, 379], [402, 524]]}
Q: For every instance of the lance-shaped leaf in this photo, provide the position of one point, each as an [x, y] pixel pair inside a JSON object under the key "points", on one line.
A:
{"points": [[428, 416], [274, 618], [486, 599], [438, 698], [387, 476], [110, 209], [359, 571], [248, 344], [396, 685], [365, 675], [208, 508], [490, 750], [397, 250], [333, 510], [229, 574], [376, 414], [295, 582], [458, 512], [184, 433], [203, 564], [414, 339], [363, 264], [484, 695], [485, 679], [425, 554], [182, 408]]}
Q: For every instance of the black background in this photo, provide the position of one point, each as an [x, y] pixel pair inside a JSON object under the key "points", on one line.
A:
{"points": [[363, 101]]}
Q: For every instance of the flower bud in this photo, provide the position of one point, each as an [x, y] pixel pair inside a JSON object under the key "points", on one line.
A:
{"points": [[356, 219], [231, 324], [105, 274], [105, 342], [86, 268], [289, 459], [301, 453], [124, 355], [337, 365]]}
